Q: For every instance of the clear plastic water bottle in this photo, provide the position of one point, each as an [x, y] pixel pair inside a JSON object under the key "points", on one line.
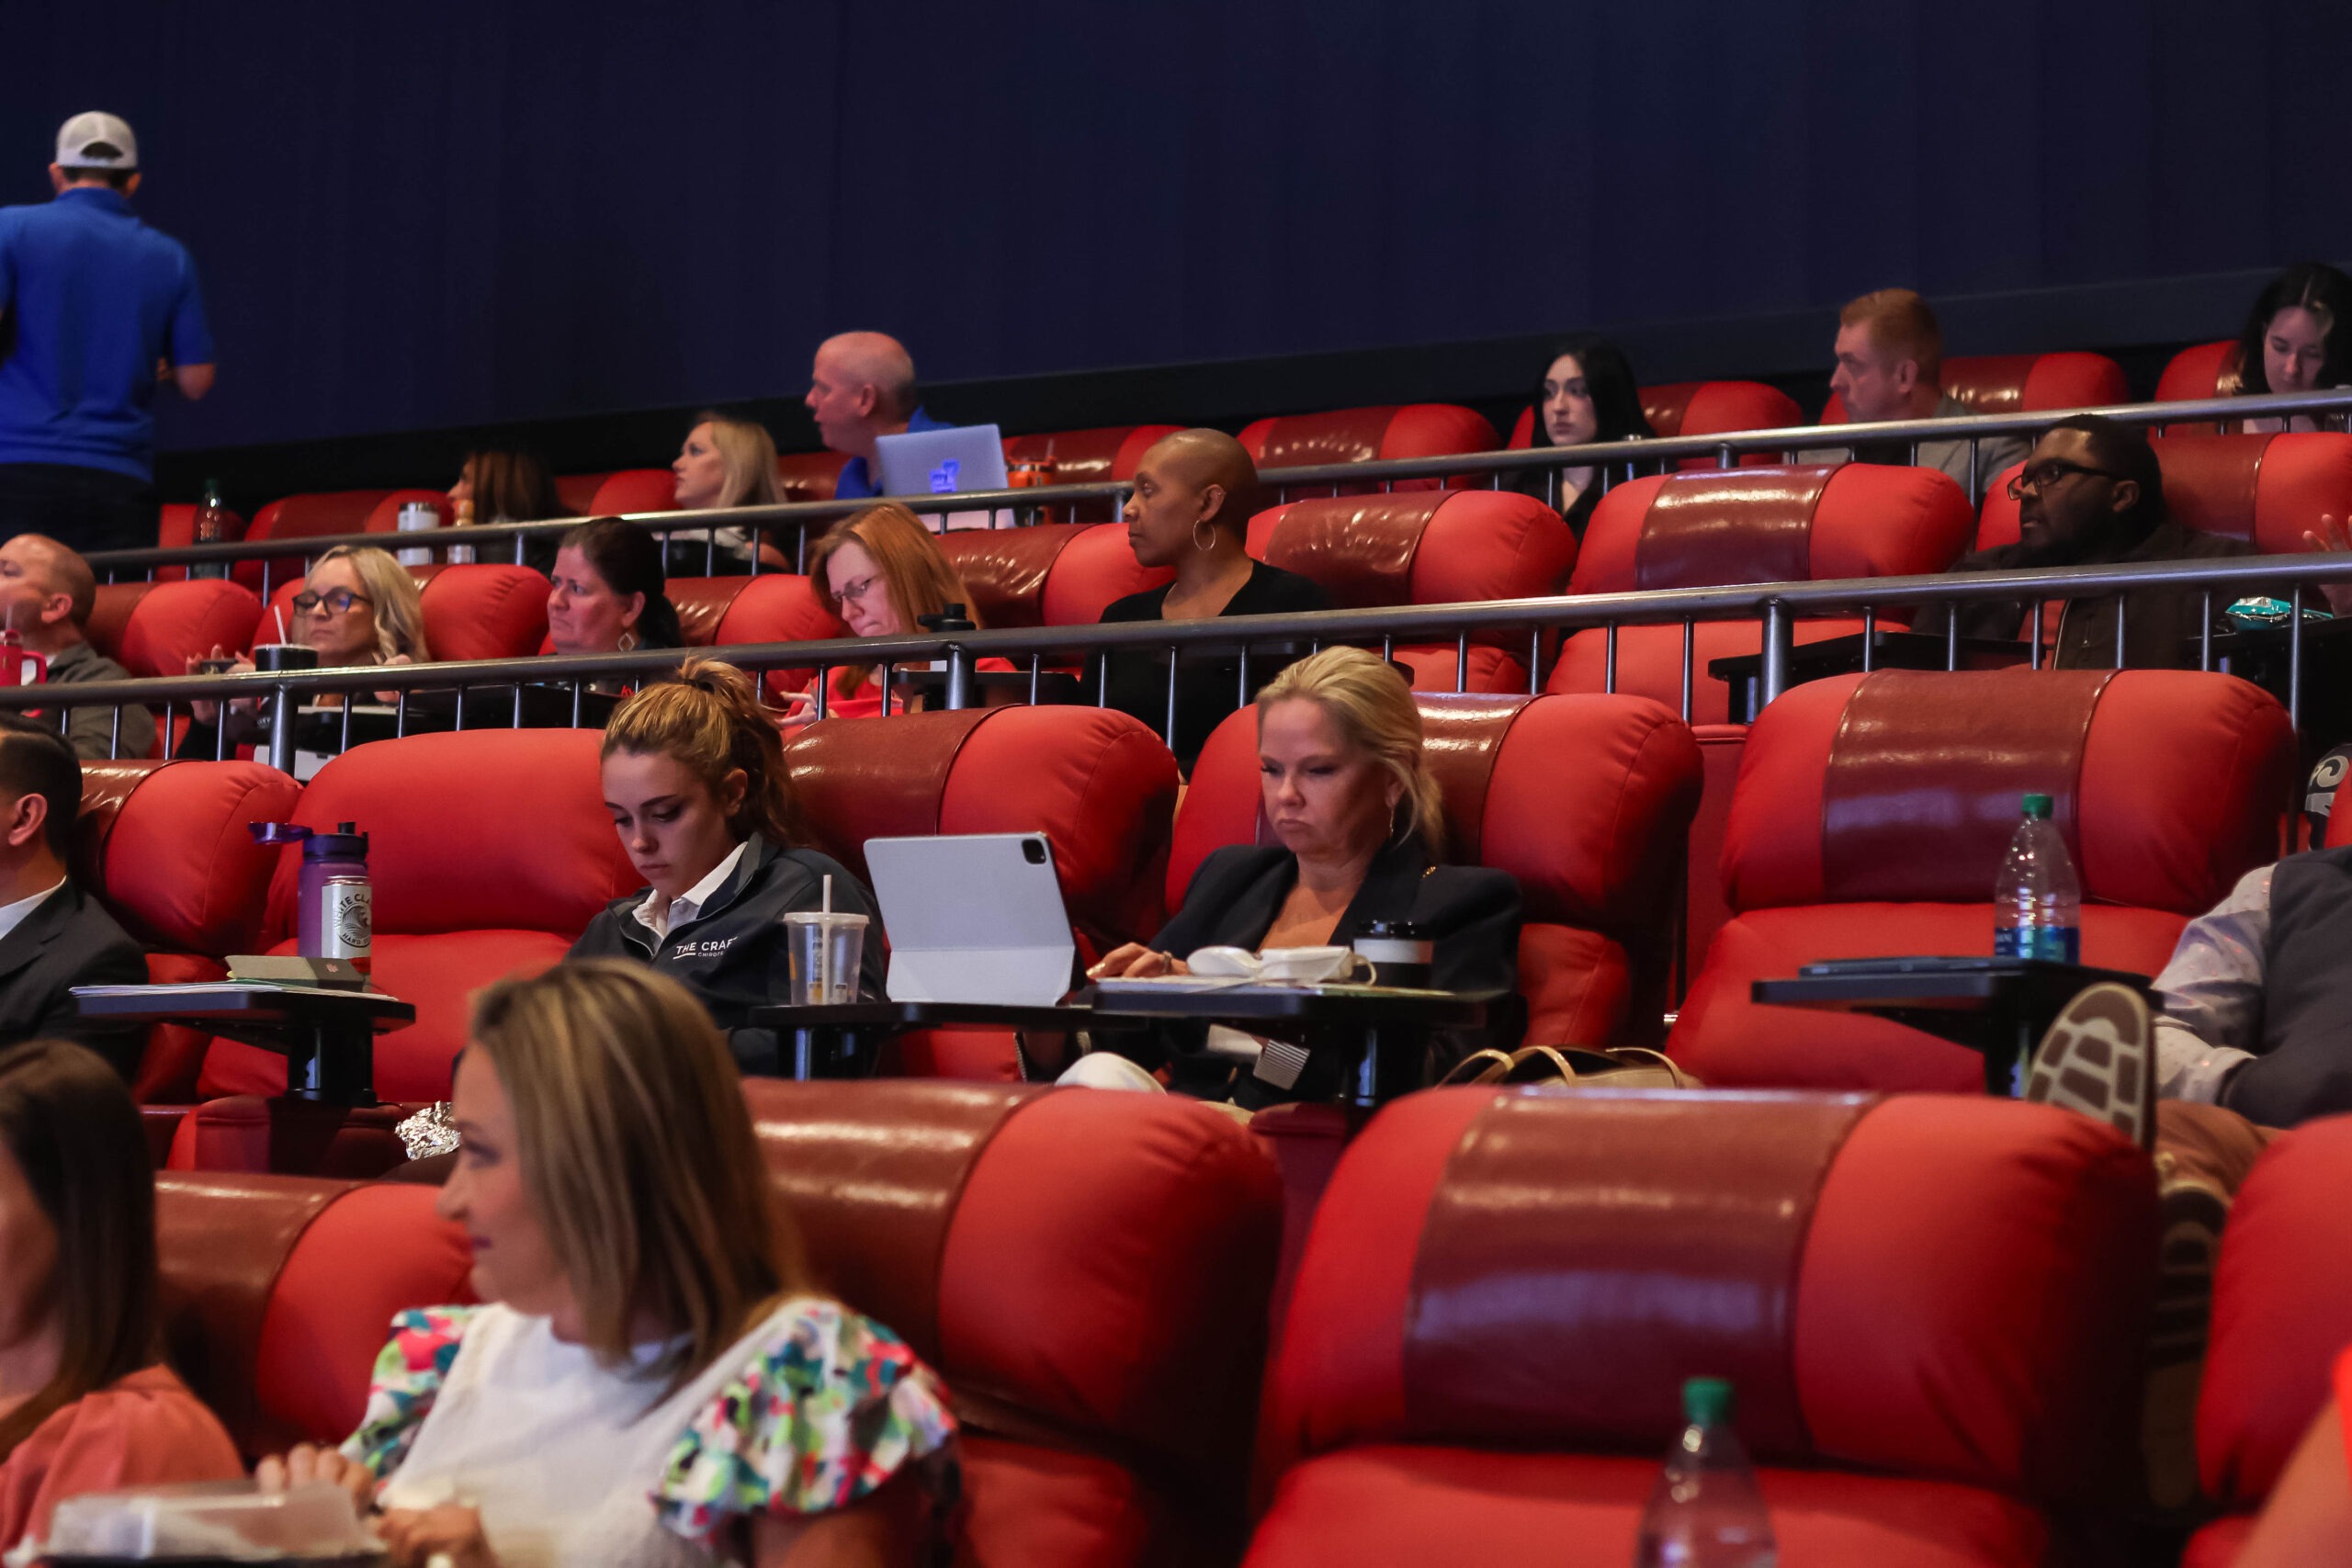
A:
{"points": [[1705, 1511], [2037, 902]]}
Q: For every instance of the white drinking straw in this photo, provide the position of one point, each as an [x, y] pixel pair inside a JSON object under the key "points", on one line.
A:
{"points": [[825, 945], [281, 621]]}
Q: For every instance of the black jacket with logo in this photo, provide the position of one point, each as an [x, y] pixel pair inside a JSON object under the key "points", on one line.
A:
{"points": [[732, 955]]}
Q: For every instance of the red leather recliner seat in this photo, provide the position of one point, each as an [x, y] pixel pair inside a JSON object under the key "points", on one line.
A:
{"points": [[1503, 1294], [326, 512], [1873, 813], [489, 851], [1087, 1271], [1100, 786], [1585, 799], [2199, 371], [279, 1290], [163, 846], [2022, 383], [1700, 408], [2282, 1314], [1054, 574], [634, 491], [809, 476], [774, 606], [2269, 490], [1087, 456], [1778, 524], [1368, 434], [1462, 546]]}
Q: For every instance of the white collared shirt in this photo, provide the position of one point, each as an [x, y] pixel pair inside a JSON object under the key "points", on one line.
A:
{"points": [[13, 915], [687, 905]]}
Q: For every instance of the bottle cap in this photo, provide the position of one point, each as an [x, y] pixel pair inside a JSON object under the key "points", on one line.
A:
{"points": [[1707, 1402], [2038, 806]]}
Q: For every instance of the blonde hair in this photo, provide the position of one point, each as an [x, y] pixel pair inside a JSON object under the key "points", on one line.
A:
{"points": [[747, 454], [1374, 706], [709, 718], [638, 1158], [1902, 327], [916, 574], [392, 596]]}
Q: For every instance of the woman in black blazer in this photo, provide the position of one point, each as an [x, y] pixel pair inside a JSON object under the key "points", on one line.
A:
{"points": [[1351, 799]]}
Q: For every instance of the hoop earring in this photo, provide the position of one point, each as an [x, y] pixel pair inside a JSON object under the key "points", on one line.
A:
{"points": [[1203, 545], [1403, 815]]}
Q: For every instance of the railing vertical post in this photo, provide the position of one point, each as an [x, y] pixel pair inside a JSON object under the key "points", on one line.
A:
{"points": [[282, 709], [2295, 663], [960, 677], [1609, 658], [1869, 635], [1778, 644], [1689, 664]]}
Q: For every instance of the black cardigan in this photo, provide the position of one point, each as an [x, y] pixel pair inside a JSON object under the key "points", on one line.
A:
{"points": [[733, 955], [1471, 913]]}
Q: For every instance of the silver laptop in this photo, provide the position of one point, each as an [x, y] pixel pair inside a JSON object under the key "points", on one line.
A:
{"points": [[973, 918], [945, 462]]}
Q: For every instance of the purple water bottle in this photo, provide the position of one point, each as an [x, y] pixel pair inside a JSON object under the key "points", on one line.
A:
{"points": [[334, 905]]}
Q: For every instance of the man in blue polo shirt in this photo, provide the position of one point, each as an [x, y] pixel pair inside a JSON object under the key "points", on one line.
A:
{"points": [[863, 387], [96, 308]]}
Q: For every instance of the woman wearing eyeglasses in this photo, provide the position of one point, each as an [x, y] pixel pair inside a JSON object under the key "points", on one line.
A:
{"points": [[881, 573], [358, 606]]}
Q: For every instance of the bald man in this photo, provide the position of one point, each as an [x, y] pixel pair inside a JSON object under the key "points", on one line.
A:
{"points": [[1190, 510], [47, 593], [863, 388]]}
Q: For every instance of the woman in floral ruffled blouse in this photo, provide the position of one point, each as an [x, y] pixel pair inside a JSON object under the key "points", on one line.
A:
{"points": [[654, 1380]]}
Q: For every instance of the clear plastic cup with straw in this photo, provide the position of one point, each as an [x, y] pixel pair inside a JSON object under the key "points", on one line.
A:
{"points": [[825, 950]]}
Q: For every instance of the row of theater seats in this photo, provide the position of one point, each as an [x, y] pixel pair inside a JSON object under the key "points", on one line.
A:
{"points": [[1868, 819], [2025, 383], [509, 880], [1932, 1307]]}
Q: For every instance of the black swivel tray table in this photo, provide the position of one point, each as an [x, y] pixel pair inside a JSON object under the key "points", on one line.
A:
{"points": [[1999, 1008], [328, 1037]]}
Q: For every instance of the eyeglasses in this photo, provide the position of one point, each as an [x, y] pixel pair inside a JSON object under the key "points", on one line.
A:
{"points": [[2040, 477], [856, 593], [338, 600]]}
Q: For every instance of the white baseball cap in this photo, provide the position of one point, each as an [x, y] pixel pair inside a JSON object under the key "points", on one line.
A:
{"points": [[78, 135]]}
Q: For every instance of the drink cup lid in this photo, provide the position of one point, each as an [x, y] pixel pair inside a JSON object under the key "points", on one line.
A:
{"points": [[819, 917]]}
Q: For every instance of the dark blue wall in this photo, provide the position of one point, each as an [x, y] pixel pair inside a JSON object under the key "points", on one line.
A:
{"points": [[430, 214]]}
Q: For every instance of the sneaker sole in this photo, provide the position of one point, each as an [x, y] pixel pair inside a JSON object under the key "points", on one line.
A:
{"points": [[2095, 1059]]}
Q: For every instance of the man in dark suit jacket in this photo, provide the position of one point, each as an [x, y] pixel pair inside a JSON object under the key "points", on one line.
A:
{"points": [[53, 937]]}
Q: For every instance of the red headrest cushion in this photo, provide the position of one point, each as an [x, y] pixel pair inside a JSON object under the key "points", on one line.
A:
{"points": [[1098, 785], [2167, 784], [1096, 567], [164, 844], [1765, 525], [1594, 850], [174, 622], [1430, 547], [482, 830], [482, 611], [1702, 1233]]}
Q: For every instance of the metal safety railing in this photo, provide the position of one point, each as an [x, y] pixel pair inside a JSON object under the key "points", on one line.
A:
{"points": [[1044, 653], [803, 521]]}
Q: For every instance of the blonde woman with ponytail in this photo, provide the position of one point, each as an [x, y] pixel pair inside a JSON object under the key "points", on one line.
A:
{"points": [[693, 775], [1356, 814]]}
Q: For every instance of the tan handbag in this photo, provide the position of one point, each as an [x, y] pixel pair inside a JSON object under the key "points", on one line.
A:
{"points": [[1573, 1067]]}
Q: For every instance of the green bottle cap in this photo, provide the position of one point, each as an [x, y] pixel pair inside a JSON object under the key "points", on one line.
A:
{"points": [[2038, 806], [1707, 1402]]}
